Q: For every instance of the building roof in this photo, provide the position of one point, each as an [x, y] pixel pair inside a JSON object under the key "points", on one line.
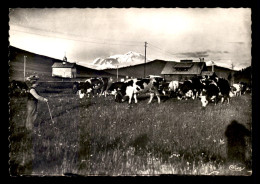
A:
{"points": [[209, 73], [183, 65], [194, 68], [61, 65]]}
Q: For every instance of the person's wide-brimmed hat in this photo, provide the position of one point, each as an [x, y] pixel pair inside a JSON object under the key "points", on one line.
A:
{"points": [[32, 78]]}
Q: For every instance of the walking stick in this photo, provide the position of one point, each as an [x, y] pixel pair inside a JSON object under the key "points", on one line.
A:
{"points": [[50, 112]]}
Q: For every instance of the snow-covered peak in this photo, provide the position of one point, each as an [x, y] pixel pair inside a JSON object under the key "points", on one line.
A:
{"points": [[120, 60], [96, 60]]}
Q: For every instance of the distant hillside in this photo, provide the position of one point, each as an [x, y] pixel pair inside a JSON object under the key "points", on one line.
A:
{"points": [[244, 75], [42, 66], [151, 68], [221, 71]]}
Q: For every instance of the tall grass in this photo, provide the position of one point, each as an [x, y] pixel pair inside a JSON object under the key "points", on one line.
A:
{"points": [[97, 136]]}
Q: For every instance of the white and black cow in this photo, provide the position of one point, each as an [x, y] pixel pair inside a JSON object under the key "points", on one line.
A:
{"points": [[115, 89], [93, 86], [189, 88], [213, 88], [237, 89], [185, 90], [132, 87], [210, 93]]}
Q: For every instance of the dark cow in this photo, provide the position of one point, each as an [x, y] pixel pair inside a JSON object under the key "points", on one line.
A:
{"points": [[164, 88], [244, 87], [224, 88], [197, 86], [185, 90], [18, 88], [93, 86], [132, 87]]}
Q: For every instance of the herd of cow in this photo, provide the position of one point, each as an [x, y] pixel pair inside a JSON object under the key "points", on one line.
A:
{"points": [[206, 88]]}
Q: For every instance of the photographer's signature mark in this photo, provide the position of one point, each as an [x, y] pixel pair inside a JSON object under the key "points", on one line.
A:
{"points": [[236, 168]]}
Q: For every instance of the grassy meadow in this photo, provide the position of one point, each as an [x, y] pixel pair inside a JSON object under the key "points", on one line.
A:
{"points": [[97, 136]]}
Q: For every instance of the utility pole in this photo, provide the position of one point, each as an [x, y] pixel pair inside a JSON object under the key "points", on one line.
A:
{"points": [[117, 73], [232, 76], [24, 67], [145, 45], [65, 58], [212, 65]]}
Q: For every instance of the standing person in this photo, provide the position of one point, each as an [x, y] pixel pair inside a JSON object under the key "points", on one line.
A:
{"points": [[32, 101]]}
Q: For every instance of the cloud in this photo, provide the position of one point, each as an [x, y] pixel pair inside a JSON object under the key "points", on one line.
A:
{"points": [[205, 54], [217, 52], [194, 54], [240, 43]]}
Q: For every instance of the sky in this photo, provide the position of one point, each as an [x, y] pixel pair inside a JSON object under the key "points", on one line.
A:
{"points": [[221, 35]]}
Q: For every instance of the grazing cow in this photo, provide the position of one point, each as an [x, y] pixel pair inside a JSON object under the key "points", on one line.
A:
{"points": [[115, 89], [190, 88], [132, 87], [209, 93], [17, 88], [197, 86], [81, 89], [215, 87], [94, 86], [224, 88], [185, 90]]}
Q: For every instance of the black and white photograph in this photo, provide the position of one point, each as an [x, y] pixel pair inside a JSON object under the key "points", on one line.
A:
{"points": [[130, 91]]}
